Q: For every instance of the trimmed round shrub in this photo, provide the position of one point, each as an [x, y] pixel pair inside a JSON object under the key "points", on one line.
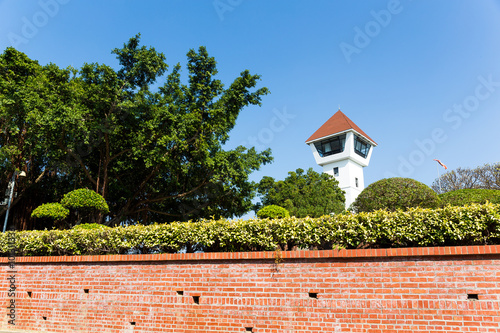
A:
{"points": [[90, 226], [395, 193], [469, 196], [86, 200], [272, 212], [53, 210]]}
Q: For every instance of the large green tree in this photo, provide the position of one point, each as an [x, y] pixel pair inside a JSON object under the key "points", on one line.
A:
{"points": [[26, 89], [150, 144], [303, 193]]}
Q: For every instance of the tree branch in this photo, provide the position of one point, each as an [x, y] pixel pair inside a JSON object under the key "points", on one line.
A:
{"points": [[79, 160], [180, 195]]}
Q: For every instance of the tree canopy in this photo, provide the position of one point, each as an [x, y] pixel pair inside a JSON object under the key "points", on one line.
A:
{"points": [[303, 193], [482, 177], [148, 142]]}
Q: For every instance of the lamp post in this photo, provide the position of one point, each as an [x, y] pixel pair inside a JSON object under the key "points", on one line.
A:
{"points": [[11, 184]]}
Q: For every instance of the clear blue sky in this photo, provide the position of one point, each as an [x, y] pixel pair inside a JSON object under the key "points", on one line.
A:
{"points": [[422, 78]]}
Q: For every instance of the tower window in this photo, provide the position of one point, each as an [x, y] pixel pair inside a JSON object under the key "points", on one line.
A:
{"points": [[331, 146], [361, 147], [356, 180], [336, 171]]}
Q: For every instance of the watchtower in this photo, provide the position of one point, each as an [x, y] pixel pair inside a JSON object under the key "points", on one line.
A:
{"points": [[343, 150]]}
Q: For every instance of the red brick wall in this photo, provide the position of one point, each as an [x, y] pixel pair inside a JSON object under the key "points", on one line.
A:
{"points": [[393, 290]]}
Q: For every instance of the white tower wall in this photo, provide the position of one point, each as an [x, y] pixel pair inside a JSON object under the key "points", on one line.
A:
{"points": [[350, 178]]}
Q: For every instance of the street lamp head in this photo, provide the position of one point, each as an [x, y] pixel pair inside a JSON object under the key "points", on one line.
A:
{"points": [[21, 174]]}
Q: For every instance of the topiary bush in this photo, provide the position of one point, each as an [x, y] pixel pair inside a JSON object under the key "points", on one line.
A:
{"points": [[85, 205], [395, 193], [272, 212], [53, 210], [469, 196], [86, 200], [90, 226]]}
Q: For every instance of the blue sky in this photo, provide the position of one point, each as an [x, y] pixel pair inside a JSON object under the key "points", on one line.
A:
{"points": [[421, 78]]}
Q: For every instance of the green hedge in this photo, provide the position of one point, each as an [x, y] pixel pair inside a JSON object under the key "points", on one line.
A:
{"points": [[469, 196], [448, 226]]}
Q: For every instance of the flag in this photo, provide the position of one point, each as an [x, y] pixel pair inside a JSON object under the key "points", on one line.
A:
{"points": [[441, 164]]}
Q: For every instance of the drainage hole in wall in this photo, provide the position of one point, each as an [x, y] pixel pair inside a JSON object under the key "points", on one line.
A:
{"points": [[132, 323], [44, 318], [86, 291], [180, 292], [313, 295], [473, 296], [29, 294], [248, 329], [196, 299]]}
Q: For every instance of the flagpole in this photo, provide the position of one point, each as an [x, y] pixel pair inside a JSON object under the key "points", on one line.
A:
{"points": [[439, 180]]}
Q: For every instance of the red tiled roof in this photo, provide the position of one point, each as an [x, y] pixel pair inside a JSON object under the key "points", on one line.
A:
{"points": [[337, 123]]}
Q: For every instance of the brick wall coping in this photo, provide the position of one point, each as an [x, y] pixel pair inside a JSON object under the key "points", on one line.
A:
{"points": [[359, 253]]}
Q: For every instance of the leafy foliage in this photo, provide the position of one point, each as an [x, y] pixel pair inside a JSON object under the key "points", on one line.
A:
{"points": [[86, 200], [53, 210], [483, 177], [148, 143], [272, 212], [85, 204], [448, 226], [303, 194], [395, 193], [90, 226], [27, 88], [469, 196]]}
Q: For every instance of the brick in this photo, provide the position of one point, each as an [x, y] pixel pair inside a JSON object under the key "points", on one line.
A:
{"points": [[366, 290]]}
